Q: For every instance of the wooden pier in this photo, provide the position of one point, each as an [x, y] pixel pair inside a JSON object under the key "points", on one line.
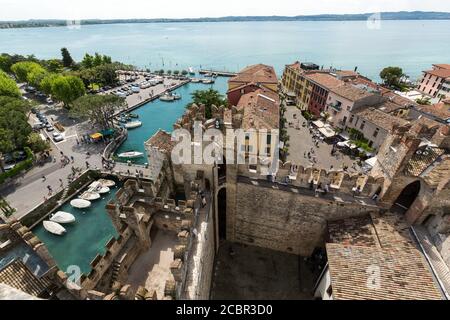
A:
{"points": [[219, 73]]}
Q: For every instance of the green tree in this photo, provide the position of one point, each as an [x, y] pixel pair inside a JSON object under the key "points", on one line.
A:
{"points": [[36, 143], [67, 89], [14, 122], [99, 109], [67, 58], [23, 68], [209, 98], [36, 75], [425, 101], [106, 74], [88, 61], [391, 77], [8, 86], [184, 72], [6, 61], [47, 82], [54, 65], [98, 60]]}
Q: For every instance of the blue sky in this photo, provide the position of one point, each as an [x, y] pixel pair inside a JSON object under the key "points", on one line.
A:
{"points": [[112, 9]]}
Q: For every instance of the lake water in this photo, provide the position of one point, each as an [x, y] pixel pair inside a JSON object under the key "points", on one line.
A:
{"points": [[412, 45]]}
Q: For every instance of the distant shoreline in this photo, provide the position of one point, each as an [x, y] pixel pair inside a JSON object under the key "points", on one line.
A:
{"points": [[402, 15]]}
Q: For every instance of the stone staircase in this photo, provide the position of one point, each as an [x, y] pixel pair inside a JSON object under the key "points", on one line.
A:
{"points": [[63, 196], [115, 271], [440, 267]]}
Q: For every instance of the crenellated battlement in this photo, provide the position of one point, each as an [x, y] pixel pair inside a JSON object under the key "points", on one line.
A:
{"points": [[307, 177]]}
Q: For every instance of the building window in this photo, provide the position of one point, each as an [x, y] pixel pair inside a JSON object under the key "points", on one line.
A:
{"points": [[370, 144], [375, 134], [351, 119], [362, 125]]}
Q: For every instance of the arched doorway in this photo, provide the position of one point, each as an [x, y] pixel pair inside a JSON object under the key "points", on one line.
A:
{"points": [[222, 213], [222, 172], [407, 197]]}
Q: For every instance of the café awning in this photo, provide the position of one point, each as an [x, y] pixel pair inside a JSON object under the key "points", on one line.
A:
{"points": [[318, 124], [327, 131], [96, 135]]}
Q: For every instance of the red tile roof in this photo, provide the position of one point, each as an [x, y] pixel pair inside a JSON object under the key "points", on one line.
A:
{"points": [[261, 110], [363, 246], [324, 80], [351, 93], [258, 73], [441, 73], [442, 66]]}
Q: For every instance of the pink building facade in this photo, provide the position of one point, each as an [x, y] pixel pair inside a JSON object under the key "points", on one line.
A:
{"points": [[434, 79]]}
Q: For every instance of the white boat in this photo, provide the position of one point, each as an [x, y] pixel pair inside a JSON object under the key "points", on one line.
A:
{"points": [[80, 203], [176, 96], [133, 124], [207, 81], [54, 227], [195, 80], [96, 187], [131, 154], [90, 196], [191, 70], [167, 97], [62, 217], [106, 183]]}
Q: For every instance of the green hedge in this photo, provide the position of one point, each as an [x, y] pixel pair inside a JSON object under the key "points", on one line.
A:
{"points": [[21, 166]]}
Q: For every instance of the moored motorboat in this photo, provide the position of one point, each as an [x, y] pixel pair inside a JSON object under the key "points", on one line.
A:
{"points": [[133, 124], [106, 183], [167, 97], [131, 154], [191, 71], [80, 203], [195, 80], [54, 227], [133, 115], [96, 187], [90, 196], [207, 81], [62, 217]]}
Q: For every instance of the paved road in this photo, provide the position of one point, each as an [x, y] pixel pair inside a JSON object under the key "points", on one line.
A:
{"points": [[301, 141]]}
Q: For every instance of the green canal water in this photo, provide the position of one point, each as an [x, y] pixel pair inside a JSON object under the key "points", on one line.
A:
{"points": [[86, 237]]}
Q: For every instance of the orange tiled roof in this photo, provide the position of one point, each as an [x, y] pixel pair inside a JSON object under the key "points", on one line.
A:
{"points": [[441, 73], [442, 65], [351, 92], [17, 275], [261, 110], [360, 245], [381, 119], [258, 73], [440, 110], [324, 80], [161, 140]]}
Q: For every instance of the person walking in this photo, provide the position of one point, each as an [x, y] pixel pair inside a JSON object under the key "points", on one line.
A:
{"points": [[44, 178], [87, 165]]}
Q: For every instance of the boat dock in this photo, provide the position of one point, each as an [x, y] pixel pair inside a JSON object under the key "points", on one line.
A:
{"points": [[134, 102], [219, 73]]}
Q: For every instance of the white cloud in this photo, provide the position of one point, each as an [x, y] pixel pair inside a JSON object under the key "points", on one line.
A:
{"points": [[111, 9]]}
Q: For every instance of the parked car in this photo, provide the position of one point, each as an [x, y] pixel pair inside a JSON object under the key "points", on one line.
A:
{"points": [[38, 125], [57, 137], [49, 128]]}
